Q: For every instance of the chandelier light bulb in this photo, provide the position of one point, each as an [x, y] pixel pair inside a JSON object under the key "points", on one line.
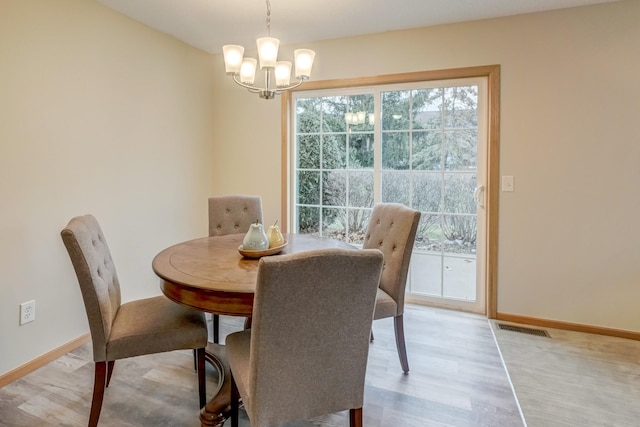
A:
{"points": [[348, 117], [268, 51], [304, 61], [248, 71], [232, 58], [283, 73]]}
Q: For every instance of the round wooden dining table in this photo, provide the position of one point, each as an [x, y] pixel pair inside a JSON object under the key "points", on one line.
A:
{"points": [[210, 275]]}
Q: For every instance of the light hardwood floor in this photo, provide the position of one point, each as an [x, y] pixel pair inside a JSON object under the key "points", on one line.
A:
{"points": [[457, 379], [573, 378]]}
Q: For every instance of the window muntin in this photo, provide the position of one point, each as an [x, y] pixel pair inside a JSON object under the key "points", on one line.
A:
{"points": [[422, 152]]}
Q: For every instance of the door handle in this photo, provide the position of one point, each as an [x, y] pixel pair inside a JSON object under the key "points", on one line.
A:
{"points": [[478, 195]]}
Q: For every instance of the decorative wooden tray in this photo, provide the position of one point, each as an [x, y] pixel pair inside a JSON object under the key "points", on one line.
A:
{"points": [[260, 253]]}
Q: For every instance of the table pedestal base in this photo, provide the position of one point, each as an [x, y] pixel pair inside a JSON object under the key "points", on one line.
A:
{"points": [[217, 410]]}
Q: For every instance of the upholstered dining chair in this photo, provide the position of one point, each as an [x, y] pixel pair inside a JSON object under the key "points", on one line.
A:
{"points": [[285, 373], [118, 331], [233, 213], [392, 229], [229, 215]]}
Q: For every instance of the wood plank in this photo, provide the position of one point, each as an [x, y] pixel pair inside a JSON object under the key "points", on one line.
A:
{"points": [[456, 379], [40, 361]]}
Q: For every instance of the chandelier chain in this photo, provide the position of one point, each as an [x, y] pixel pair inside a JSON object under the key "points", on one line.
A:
{"points": [[268, 18]]}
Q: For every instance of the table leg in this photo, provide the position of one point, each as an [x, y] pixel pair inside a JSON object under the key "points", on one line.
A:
{"points": [[217, 410]]}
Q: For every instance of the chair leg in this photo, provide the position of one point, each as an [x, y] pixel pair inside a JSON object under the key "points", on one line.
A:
{"points": [[247, 322], [402, 349], [216, 328], [235, 403], [355, 417], [110, 365], [202, 384], [99, 384]]}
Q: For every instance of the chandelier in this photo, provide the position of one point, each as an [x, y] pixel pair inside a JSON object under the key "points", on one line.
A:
{"points": [[358, 118], [243, 70]]}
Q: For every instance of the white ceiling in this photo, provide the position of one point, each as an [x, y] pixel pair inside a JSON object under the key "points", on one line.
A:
{"points": [[209, 24]]}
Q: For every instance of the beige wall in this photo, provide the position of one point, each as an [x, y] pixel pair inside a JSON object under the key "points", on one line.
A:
{"points": [[102, 115], [569, 136]]}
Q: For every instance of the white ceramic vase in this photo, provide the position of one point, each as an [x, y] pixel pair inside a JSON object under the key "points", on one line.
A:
{"points": [[255, 239]]}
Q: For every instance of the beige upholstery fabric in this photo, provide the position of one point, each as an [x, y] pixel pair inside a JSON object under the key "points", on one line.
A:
{"points": [[139, 327], [306, 354], [392, 229], [233, 214], [146, 326], [385, 305], [154, 325], [230, 215]]}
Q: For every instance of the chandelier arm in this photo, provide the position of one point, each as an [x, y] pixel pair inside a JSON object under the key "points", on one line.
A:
{"points": [[251, 88], [286, 88]]}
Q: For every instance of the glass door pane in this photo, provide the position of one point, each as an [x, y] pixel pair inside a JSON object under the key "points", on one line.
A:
{"points": [[429, 162], [419, 144], [334, 177]]}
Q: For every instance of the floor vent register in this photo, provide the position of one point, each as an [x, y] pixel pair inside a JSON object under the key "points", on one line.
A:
{"points": [[523, 330]]}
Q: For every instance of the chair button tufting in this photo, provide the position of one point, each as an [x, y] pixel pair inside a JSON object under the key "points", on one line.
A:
{"points": [[245, 210], [227, 211], [236, 226]]}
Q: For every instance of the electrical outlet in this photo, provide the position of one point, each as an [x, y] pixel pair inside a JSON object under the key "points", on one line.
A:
{"points": [[27, 312]]}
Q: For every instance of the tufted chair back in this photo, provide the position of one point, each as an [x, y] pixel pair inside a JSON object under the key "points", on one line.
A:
{"points": [[306, 353], [97, 277], [233, 214], [392, 229]]}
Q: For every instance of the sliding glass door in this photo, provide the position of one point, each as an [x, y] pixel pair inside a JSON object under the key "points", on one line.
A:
{"points": [[419, 144]]}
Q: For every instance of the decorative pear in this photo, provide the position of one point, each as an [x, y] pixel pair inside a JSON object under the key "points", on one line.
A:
{"points": [[275, 236], [255, 239]]}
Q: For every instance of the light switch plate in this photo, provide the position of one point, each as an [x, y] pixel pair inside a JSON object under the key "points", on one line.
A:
{"points": [[507, 183]]}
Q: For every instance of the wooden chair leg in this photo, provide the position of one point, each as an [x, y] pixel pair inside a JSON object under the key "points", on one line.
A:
{"points": [[371, 337], [402, 349], [202, 384], [216, 328], [110, 366], [235, 403], [99, 384], [247, 322], [355, 417]]}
